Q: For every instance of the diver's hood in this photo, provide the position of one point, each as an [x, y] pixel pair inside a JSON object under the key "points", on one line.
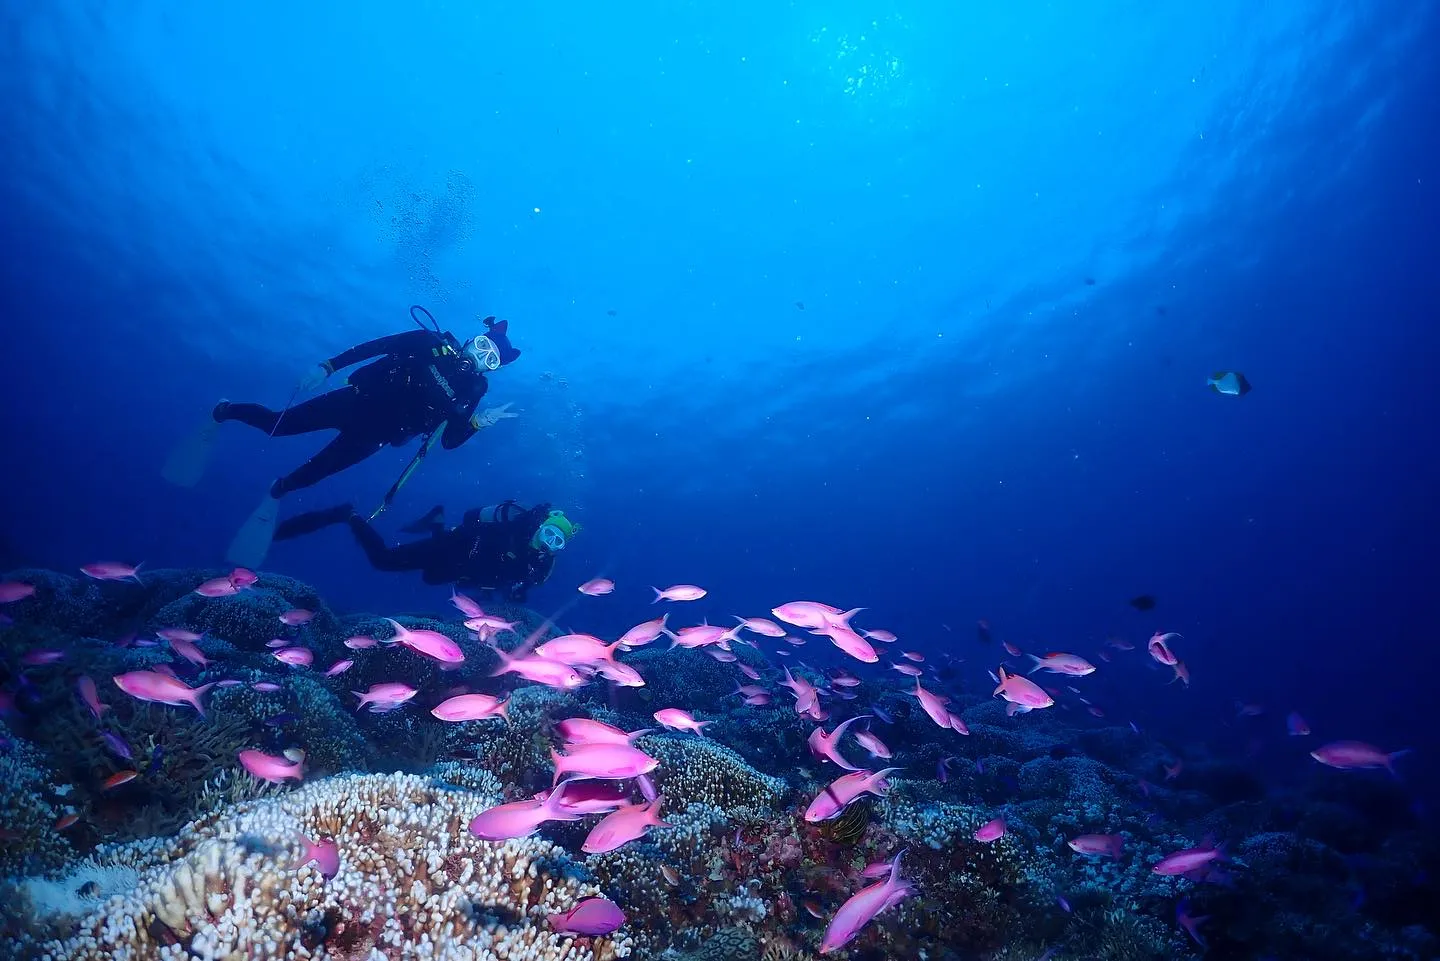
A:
{"points": [[498, 332]]}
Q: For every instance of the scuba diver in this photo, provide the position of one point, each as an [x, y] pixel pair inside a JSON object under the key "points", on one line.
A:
{"points": [[420, 383], [505, 548]]}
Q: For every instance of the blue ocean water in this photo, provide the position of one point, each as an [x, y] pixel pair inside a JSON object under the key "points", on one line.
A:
{"points": [[901, 306]]}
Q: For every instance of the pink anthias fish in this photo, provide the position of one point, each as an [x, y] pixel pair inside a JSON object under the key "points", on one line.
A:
{"points": [[266, 687], [339, 667], [642, 634], [1191, 925], [576, 649], [295, 656], [490, 624], [757, 700], [990, 831], [1296, 725], [618, 673], [1022, 691], [592, 797], [297, 616], [761, 626], [520, 819], [188, 650], [384, 697], [611, 762], [325, 853], [1159, 648], [1191, 859], [909, 670], [268, 767], [41, 656], [864, 906], [623, 826], [276, 642], [429, 643], [583, 730], [360, 643], [178, 634], [678, 592], [465, 605], [678, 720], [113, 571], [1060, 663], [597, 587], [471, 707], [934, 705], [1356, 756], [826, 747], [703, 635], [844, 679], [845, 638], [161, 689], [833, 800], [915, 656], [883, 636], [218, 587], [872, 744], [12, 591], [590, 918], [806, 696], [1104, 845], [724, 657], [243, 577], [541, 670], [811, 614], [90, 696]]}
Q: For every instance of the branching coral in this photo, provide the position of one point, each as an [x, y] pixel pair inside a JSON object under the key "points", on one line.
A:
{"points": [[412, 882], [701, 770]]}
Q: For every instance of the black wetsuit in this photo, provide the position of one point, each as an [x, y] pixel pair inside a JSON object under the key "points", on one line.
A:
{"points": [[477, 555], [420, 381]]}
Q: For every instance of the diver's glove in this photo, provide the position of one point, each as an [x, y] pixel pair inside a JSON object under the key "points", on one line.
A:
{"points": [[316, 376], [491, 416]]}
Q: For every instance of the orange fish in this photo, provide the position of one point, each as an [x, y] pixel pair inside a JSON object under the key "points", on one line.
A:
{"points": [[119, 778], [66, 820]]}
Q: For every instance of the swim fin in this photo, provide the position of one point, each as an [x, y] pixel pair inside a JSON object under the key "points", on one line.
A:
{"points": [[186, 463], [252, 541]]}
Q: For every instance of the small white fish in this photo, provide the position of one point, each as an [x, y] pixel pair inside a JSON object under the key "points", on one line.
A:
{"points": [[1229, 382]]}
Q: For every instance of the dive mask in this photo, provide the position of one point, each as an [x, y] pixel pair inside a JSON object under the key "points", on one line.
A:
{"points": [[554, 532], [483, 351]]}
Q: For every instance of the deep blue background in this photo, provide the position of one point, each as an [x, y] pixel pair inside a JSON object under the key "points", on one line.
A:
{"points": [[206, 201]]}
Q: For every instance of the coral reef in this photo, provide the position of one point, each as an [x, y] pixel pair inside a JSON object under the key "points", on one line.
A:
{"points": [[195, 857], [411, 882]]}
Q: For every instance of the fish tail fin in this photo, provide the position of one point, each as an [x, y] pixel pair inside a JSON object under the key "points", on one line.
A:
{"points": [[196, 693], [505, 661], [1039, 662], [653, 814], [1394, 756], [658, 594]]}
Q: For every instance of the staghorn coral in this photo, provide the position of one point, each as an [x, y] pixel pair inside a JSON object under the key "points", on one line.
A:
{"points": [[695, 769], [412, 883], [30, 804]]}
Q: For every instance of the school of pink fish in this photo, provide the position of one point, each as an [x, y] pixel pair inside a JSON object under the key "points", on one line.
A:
{"points": [[599, 772]]}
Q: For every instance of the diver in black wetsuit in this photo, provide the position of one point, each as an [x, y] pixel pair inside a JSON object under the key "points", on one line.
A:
{"points": [[417, 382], [421, 380], [505, 549]]}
